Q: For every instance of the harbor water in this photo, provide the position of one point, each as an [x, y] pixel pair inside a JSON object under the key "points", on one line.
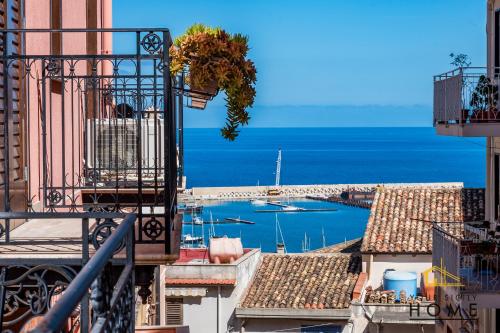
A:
{"points": [[332, 226], [320, 156]]}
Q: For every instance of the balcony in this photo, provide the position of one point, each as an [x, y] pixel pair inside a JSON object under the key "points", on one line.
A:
{"points": [[466, 258], [88, 178], [466, 103], [94, 133]]}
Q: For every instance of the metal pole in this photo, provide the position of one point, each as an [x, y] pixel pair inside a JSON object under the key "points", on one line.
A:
{"points": [[6, 146], [167, 101], [180, 106], [138, 118], [2, 295], [84, 304]]}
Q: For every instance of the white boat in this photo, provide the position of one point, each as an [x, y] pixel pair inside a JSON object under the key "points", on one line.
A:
{"points": [[188, 239], [258, 202], [291, 208], [197, 220]]}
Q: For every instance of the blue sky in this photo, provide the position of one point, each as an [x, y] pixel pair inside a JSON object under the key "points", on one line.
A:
{"points": [[315, 58]]}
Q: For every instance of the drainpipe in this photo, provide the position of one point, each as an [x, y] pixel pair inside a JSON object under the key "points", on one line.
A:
{"points": [[107, 37], [243, 323], [162, 295], [349, 328], [218, 309], [369, 268]]}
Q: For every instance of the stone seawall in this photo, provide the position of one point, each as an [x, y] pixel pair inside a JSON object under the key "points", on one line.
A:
{"points": [[291, 191]]}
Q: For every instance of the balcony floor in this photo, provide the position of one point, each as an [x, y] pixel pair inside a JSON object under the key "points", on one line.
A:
{"points": [[469, 129], [68, 229], [50, 233]]}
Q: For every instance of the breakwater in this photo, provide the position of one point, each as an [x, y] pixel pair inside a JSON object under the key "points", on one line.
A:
{"points": [[347, 202], [290, 191]]}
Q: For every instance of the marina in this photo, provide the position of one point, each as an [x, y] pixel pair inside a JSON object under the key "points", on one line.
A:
{"points": [[330, 226], [237, 220], [296, 210]]}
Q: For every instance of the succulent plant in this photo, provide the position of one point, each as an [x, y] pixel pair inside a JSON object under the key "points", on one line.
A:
{"points": [[214, 57]]}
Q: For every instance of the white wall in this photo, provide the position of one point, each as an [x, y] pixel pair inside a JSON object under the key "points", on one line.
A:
{"points": [[399, 328], [200, 313], [400, 262], [258, 325]]}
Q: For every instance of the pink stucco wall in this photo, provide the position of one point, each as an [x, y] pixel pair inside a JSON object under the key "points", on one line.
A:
{"points": [[63, 161]]}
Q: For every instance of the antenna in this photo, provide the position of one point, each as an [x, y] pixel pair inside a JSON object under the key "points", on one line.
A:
{"points": [[278, 168]]}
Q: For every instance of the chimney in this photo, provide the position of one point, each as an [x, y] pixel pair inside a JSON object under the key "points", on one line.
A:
{"points": [[280, 248]]}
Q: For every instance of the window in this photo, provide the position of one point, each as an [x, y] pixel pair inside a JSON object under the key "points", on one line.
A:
{"points": [[174, 311], [321, 328]]}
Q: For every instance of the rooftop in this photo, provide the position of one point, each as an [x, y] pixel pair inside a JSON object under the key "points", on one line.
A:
{"points": [[194, 268], [350, 246], [303, 281], [400, 218]]}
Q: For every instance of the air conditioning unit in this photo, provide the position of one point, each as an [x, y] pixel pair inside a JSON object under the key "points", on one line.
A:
{"points": [[112, 147]]}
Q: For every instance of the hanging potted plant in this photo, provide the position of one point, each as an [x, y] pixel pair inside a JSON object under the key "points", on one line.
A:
{"points": [[217, 61]]}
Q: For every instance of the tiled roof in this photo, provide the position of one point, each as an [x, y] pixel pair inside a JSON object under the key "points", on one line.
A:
{"points": [[399, 221], [204, 282], [303, 281], [351, 246]]}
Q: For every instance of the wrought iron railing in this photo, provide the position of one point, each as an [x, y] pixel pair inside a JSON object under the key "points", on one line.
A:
{"points": [[33, 285], [466, 95], [98, 131], [465, 257]]}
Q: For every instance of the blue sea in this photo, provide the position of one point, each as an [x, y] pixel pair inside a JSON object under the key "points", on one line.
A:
{"points": [[332, 156], [321, 156]]}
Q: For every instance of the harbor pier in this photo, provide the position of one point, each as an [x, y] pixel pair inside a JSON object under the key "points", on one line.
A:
{"points": [[291, 191]]}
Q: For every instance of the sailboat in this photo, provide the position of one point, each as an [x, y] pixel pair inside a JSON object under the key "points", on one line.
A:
{"points": [[306, 244], [279, 245], [190, 240]]}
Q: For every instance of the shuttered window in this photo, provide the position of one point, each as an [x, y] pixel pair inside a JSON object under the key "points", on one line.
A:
{"points": [[174, 311], [11, 18]]}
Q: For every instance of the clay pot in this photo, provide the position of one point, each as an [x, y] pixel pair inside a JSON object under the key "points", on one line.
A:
{"points": [[200, 95]]}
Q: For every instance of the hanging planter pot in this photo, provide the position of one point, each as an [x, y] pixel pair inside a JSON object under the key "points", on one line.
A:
{"points": [[201, 95], [218, 60]]}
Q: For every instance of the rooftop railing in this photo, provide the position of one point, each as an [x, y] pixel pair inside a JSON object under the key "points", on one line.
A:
{"points": [[466, 257], [465, 96]]}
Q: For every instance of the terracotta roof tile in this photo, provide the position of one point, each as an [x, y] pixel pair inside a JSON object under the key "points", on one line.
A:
{"points": [[351, 246], [303, 281], [399, 221]]}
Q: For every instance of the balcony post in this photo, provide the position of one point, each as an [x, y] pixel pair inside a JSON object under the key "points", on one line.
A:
{"points": [[180, 109], [167, 123]]}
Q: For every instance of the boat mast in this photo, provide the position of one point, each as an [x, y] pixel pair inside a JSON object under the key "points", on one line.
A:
{"points": [[278, 168], [323, 236]]}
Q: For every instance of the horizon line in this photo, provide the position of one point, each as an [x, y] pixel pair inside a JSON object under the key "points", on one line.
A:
{"points": [[255, 127]]}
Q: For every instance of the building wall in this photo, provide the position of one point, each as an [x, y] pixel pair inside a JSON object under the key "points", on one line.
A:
{"points": [[379, 263], [399, 328], [259, 325], [201, 313], [73, 15], [492, 6]]}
